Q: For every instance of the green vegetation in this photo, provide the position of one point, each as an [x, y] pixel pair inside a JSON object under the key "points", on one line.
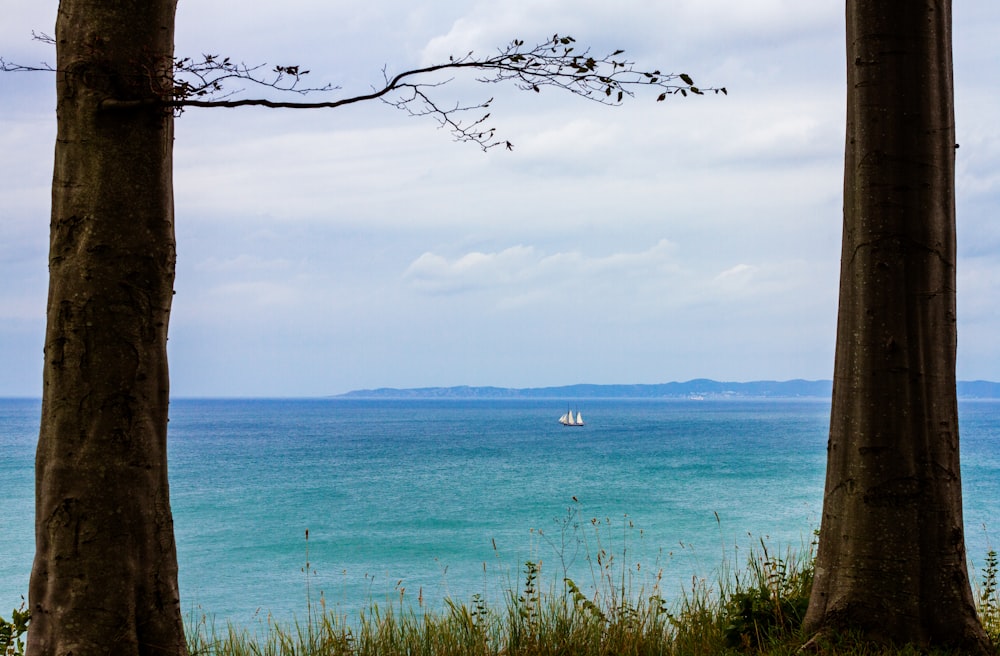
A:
{"points": [[757, 610], [12, 632], [988, 598]]}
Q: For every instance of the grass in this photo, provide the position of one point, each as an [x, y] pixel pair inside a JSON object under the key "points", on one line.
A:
{"points": [[988, 598], [757, 609]]}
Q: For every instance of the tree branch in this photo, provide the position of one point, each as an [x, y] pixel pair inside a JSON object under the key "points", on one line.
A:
{"points": [[553, 63]]}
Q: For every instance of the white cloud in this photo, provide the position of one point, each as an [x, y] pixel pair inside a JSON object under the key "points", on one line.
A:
{"points": [[575, 138], [700, 235], [623, 286], [435, 274], [244, 263], [526, 266], [739, 275]]}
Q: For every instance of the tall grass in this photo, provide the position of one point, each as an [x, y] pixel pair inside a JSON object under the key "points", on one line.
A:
{"points": [[621, 609], [988, 598], [755, 608]]}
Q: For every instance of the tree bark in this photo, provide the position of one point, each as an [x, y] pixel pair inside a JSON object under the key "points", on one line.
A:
{"points": [[104, 579], [891, 562]]}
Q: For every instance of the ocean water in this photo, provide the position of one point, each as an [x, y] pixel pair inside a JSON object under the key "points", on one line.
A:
{"points": [[428, 499]]}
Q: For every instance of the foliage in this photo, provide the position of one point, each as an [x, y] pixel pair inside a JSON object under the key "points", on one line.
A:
{"points": [[757, 610], [988, 598], [769, 602], [11, 643], [622, 611]]}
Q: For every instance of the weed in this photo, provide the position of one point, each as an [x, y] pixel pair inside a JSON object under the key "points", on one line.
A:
{"points": [[988, 600], [757, 609], [769, 601], [11, 643]]}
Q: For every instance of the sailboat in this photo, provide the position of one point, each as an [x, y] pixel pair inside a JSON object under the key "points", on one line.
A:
{"points": [[569, 420]]}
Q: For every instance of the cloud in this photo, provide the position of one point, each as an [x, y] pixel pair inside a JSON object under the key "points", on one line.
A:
{"points": [[520, 274], [243, 264], [737, 277], [435, 274], [574, 138], [239, 307], [362, 247], [762, 21], [525, 265], [641, 27]]}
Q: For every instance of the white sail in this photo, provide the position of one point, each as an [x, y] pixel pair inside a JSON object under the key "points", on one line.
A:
{"points": [[569, 420]]}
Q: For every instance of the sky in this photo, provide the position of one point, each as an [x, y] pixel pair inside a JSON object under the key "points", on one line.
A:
{"points": [[325, 251]]}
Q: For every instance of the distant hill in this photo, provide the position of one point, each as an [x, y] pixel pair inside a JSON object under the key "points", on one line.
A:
{"points": [[698, 388], [978, 389]]}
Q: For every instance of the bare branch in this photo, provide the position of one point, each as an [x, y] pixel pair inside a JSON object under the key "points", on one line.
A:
{"points": [[203, 79], [10, 67], [554, 63]]}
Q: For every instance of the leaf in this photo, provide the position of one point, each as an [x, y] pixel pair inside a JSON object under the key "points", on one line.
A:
{"points": [[662, 97], [687, 78]]}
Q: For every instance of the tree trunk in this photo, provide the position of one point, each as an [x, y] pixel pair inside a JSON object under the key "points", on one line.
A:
{"points": [[104, 578], [891, 561]]}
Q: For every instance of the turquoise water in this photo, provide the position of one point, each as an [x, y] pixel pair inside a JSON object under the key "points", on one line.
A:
{"points": [[450, 498]]}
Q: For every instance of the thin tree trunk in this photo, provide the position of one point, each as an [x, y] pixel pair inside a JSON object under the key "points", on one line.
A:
{"points": [[891, 561], [104, 578]]}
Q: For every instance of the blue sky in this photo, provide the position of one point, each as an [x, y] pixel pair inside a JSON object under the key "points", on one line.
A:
{"points": [[324, 251]]}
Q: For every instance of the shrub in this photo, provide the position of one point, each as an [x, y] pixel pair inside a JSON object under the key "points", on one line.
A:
{"points": [[11, 643], [770, 603]]}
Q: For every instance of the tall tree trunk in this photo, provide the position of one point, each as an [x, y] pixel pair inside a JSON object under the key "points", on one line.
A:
{"points": [[891, 561], [104, 578]]}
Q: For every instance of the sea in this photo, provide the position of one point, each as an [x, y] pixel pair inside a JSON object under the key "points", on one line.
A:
{"points": [[285, 506]]}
